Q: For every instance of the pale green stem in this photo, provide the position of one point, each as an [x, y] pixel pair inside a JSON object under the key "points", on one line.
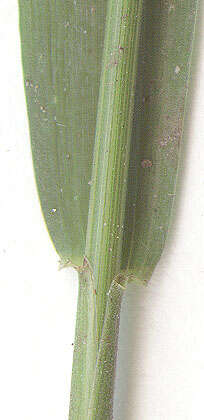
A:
{"points": [[94, 366], [101, 399], [112, 146], [100, 289]]}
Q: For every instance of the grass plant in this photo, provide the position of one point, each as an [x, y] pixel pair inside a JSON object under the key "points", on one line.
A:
{"points": [[106, 84]]}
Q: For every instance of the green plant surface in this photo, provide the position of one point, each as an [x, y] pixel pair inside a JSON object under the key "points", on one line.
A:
{"points": [[94, 359], [62, 63], [105, 152], [167, 34], [112, 146], [62, 45], [93, 381]]}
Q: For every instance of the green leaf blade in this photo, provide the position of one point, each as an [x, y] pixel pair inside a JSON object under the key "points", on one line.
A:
{"points": [[62, 62], [161, 88]]}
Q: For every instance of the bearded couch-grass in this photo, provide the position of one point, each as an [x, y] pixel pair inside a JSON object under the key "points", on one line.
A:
{"points": [[106, 85]]}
